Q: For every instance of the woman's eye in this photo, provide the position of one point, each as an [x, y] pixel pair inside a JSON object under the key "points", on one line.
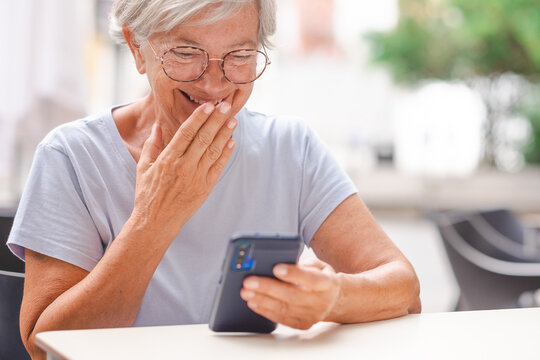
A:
{"points": [[185, 55], [242, 58]]}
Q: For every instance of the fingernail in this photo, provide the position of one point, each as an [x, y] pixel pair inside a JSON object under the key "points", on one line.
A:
{"points": [[252, 305], [280, 270], [224, 107], [231, 143], [249, 294], [208, 108], [251, 283], [231, 124]]}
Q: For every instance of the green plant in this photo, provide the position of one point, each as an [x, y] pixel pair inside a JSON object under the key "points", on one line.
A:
{"points": [[532, 149], [466, 40]]}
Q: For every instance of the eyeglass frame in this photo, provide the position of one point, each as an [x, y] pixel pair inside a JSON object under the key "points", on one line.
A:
{"points": [[208, 59]]}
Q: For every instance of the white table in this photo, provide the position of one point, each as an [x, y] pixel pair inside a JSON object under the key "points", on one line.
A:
{"points": [[494, 334]]}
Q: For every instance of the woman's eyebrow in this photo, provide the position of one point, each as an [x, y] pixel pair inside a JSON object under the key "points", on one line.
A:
{"points": [[185, 41], [241, 44]]}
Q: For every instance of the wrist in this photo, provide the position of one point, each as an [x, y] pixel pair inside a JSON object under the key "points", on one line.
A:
{"points": [[335, 312], [159, 228]]}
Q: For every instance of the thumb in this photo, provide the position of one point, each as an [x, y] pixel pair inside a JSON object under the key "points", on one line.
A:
{"points": [[314, 262], [152, 147], [319, 264]]}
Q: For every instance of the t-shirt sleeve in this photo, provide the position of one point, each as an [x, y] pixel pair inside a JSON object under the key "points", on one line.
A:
{"points": [[52, 217], [324, 186]]}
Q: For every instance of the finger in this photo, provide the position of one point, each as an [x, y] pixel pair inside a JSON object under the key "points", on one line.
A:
{"points": [[152, 147], [314, 262], [307, 277], [189, 129], [208, 131], [321, 265], [279, 290], [217, 168], [282, 313], [214, 151]]}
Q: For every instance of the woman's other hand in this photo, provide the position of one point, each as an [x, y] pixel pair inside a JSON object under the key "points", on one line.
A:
{"points": [[305, 295]]}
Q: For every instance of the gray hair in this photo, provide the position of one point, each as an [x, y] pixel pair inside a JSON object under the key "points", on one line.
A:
{"points": [[145, 17]]}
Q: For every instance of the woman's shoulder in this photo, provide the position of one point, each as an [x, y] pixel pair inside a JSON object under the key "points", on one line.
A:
{"points": [[88, 131], [273, 127]]}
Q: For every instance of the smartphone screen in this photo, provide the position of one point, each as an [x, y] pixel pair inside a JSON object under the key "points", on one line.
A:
{"points": [[249, 255]]}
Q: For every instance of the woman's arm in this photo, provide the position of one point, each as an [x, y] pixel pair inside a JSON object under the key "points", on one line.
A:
{"points": [[373, 280], [377, 281], [172, 183], [59, 295]]}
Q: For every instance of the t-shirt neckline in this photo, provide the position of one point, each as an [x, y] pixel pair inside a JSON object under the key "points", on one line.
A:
{"points": [[127, 159]]}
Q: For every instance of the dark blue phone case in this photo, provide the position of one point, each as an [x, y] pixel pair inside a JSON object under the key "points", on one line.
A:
{"points": [[230, 312]]}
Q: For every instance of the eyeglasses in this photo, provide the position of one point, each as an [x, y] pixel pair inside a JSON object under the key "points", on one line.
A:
{"points": [[188, 63]]}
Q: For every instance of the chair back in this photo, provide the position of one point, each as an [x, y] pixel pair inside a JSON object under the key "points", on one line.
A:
{"points": [[503, 230], [488, 278], [11, 293], [8, 261], [505, 222]]}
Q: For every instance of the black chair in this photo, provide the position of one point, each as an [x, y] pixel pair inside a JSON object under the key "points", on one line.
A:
{"points": [[488, 276], [8, 261], [503, 230], [11, 292]]}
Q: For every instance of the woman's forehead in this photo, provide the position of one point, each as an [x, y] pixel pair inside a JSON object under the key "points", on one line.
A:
{"points": [[239, 29], [179, 40]]}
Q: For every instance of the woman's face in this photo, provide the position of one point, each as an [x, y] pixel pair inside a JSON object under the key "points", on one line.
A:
{"points": [[238, 31]]}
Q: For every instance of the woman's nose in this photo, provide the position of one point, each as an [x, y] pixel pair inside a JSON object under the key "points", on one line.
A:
{"points": [[213, 78]]}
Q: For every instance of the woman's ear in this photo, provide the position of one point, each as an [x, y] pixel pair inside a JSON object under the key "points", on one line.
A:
{"points": [[135, 48]]}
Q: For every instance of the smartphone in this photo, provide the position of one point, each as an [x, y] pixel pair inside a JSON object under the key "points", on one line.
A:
{"points": [[249, 255]]}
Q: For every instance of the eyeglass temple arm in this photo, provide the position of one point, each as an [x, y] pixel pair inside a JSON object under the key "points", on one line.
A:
{"points": [[268, 61], [154, 51]]}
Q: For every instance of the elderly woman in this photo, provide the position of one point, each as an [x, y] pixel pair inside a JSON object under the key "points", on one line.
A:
{"points": [[127, 213]]}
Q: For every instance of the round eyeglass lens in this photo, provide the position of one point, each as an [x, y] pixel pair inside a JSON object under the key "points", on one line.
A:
{"points": [[244, 66], [184, 63]]}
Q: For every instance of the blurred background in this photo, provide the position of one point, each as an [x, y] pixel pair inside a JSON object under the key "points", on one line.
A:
{"points": [[429, 105]]}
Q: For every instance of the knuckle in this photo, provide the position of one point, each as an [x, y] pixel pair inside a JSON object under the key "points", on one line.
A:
{"points": [[167, 157], [283, 308], [203, 139], [213, 152], [187, 133], [219, 166], [183, 171], [288, 297]]}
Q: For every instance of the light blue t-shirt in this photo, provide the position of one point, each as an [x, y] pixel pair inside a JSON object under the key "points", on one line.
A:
{"points": [[80, 192]]}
